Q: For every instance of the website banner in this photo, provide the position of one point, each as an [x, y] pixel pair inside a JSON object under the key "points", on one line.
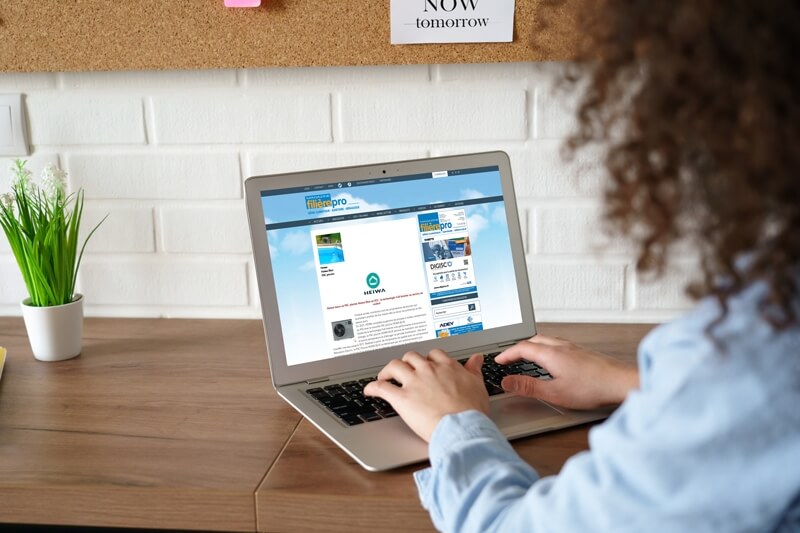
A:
{"points": [[447, 253], [459, 325]]}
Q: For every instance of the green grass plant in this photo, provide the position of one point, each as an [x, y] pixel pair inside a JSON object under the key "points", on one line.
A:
{"points": [[42, 226]]}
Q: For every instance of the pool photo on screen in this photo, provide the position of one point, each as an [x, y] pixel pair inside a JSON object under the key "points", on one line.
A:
{"points": [[329, 248]]}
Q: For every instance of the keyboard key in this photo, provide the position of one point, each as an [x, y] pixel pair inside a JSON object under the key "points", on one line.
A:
{"points": [[352, 420], [335, 403], [369, 417], [493, 390], [318, 393], [356, 410]]}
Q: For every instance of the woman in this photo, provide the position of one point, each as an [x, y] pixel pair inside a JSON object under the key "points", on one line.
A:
{"points": [[697, 103]]}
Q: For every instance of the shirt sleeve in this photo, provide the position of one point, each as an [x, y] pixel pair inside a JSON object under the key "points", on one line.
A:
{"points": [[475, 476], [702, 452]]}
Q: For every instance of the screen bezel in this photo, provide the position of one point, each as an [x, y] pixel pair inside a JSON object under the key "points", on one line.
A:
{"points": [[281, 372]]}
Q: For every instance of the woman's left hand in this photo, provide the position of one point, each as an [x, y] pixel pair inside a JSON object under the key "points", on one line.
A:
{"points": [[432, 387]]}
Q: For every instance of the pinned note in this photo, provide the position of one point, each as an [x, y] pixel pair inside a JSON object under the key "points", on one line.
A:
{"points": [[452, 21]]}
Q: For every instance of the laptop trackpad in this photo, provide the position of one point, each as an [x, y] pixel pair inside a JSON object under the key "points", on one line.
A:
{"points": [[512, 412]]}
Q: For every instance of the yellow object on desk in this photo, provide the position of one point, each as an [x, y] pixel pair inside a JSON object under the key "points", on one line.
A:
{"points": [[2, 359]]}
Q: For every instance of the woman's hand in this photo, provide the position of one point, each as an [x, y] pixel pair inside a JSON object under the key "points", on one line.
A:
{"points": [[582, 378], [432, 387]]}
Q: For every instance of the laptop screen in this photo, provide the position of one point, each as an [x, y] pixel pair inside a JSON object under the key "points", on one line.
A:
{"points": [[370, 264]]}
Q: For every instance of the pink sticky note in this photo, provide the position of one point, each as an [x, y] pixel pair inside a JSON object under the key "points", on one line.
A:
{"points": [[242, 3]]}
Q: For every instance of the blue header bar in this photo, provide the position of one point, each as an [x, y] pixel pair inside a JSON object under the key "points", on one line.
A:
{"points": [[386, 212]]}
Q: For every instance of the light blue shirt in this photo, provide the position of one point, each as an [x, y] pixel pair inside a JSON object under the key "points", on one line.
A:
{"points": [[710, 442]]}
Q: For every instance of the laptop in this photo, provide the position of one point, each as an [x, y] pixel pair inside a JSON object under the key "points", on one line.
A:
{"points": [[358, 265]]}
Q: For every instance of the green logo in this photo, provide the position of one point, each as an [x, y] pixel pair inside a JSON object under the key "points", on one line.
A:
{"points": [[373, 280]]}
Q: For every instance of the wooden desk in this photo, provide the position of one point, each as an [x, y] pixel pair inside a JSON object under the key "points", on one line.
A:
{"points": [[174, 424], [314, 486], [157, 424]]}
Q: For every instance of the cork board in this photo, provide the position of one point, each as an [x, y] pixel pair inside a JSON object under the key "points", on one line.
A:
{"points": [[96, 35]]}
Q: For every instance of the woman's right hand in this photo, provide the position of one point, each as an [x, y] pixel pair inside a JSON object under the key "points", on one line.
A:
{"points": [[582, 378]]}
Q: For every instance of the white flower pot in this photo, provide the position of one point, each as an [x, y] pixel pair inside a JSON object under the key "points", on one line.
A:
{"points": [[54, 332]]}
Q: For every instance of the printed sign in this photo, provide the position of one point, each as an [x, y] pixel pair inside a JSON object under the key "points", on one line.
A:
{"points": [[452, 21]]}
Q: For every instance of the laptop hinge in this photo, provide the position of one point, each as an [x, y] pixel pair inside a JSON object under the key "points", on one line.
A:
{"points": [[320, 380]]}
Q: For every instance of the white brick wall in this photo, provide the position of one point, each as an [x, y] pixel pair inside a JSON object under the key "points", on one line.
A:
{"points": [[24, 81], [254, 116], [208, 230], [12, 289], [560, 285], [78, 119], [572, 228], [164, 155], [433, 114], [124, 230], [166, 282], [335, 78], [196, 175]]}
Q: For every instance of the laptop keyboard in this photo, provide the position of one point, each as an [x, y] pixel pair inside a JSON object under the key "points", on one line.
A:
{"points": [[347, 401]]}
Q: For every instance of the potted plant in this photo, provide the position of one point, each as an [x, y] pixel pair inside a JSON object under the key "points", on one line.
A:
{"points": [[42, 224]]}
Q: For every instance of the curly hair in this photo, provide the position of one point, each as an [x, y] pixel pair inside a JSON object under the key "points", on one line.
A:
{"points": [[697, 103]]}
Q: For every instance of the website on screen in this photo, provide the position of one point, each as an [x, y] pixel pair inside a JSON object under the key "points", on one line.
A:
{"points": [[370, 264]]}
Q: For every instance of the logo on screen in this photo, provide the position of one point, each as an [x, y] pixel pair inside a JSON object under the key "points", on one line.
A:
{"points": [[323, 201], [429, 222], [373, 280]]}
